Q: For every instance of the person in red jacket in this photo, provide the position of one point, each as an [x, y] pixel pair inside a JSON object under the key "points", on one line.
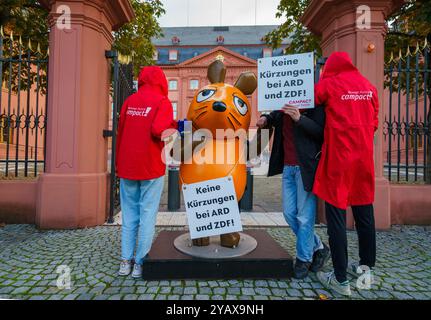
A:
{"points": [[345, 175], [140, 164]]}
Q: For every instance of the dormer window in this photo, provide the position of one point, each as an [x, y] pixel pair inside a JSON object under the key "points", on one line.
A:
{"points": [[173, 55], [220, 40], [175, 40], [267, 52]]}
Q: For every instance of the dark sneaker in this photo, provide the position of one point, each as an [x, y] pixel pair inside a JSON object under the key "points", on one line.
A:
{"points": [[320, 257], [300, 270]]}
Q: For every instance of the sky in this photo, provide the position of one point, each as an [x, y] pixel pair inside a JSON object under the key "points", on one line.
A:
{"points": [[181, 13]]}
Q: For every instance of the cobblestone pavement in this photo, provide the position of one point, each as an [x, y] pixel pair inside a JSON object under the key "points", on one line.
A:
{"points": [[31, 260]]}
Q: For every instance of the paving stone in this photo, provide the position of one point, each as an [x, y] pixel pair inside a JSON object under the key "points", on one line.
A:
{"points": [[293, 292], [205, 290], [406, 275], [263, 291], [131, 297], [248, 291], [190, 290], [20, 290], [220, 291], [38, 297], [85, 296], [71, 296], [234, 291]]}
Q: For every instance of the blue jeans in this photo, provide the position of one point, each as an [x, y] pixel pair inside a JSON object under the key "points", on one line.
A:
{"points": [[139, 206], [299, 209]]}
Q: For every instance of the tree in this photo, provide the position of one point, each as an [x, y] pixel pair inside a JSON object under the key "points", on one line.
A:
{"points": [[28, 19], [302, 40], [134, 38]]}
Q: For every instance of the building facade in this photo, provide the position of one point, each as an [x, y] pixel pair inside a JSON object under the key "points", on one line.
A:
{"points": [[184, 53]]}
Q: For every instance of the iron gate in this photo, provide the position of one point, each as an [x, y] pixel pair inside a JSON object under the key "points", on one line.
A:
{"points": [[407, 117], [122, 87], [23, 100]]}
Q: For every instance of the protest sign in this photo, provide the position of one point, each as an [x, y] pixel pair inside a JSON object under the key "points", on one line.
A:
{"points": [[212, 207], [286, 80]]}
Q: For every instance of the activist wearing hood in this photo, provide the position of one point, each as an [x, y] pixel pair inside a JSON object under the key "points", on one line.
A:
{"points": [[345, 175], [144, 116]]}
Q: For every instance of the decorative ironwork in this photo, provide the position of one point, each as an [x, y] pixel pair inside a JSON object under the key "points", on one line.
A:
{"points": [[23, 98], [406, 130]]}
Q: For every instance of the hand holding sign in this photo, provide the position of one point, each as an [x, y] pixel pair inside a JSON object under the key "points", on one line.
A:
{"points": [[292, 111]]}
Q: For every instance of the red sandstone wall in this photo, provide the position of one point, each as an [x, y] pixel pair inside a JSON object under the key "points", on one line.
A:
{"points": [[18, 201]]}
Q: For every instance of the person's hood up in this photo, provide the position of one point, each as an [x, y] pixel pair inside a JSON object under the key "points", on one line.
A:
{"points": [[337, 62], [153, 77]]}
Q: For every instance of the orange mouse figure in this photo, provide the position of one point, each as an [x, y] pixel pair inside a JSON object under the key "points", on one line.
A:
{"points": [[221, 106]]}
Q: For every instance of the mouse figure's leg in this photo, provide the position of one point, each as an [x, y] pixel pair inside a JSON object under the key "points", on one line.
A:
{"points": [[201, 242], [229, 240]]}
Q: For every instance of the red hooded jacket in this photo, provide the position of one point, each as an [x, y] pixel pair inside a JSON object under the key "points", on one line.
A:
{"points": [[144, 116], [345, 175]]}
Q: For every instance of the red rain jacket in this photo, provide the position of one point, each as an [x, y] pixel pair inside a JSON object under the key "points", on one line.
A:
{"points": [[144, 116], [345, 175]]}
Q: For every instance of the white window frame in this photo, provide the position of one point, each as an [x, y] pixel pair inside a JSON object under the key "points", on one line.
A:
{"points": [[192, 81], [176, 84], [173, 52]]}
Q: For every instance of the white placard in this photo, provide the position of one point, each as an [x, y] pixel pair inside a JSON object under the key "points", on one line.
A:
{"points": [[286, 80], [212, 207]]}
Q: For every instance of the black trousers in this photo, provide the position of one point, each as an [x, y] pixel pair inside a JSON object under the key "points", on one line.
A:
{"points": [[365, 227]]}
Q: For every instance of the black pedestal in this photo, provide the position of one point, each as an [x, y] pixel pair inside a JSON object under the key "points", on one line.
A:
{"points": [[268, 260]]}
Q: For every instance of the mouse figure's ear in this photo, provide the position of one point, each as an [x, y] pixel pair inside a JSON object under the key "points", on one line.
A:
{"points": [[247, 83], [216, 72]]}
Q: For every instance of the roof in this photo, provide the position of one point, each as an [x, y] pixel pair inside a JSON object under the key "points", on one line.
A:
{"points": [[233, 35]]}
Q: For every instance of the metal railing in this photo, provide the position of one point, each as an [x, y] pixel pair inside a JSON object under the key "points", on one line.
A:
{"points": [[122, 87], [23, 98], [407, 117]]}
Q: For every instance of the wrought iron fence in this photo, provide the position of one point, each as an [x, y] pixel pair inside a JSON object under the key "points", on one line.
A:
{"points": [[407, 116], [23, 97], [122, 87]]}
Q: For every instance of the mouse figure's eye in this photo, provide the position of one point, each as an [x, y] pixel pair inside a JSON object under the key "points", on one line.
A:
{"points": [[240, 105], [205, 95]]}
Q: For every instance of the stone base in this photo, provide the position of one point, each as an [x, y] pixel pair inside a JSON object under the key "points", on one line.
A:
{"points": [[268, 260], [69, 201]]}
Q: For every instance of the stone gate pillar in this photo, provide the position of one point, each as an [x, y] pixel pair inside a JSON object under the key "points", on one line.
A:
{"points": [[343, 28], [72, 193]]}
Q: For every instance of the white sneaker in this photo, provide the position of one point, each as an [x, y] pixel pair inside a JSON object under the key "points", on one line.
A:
{"points": [[125, 268], [330, 282], [137, 271]]}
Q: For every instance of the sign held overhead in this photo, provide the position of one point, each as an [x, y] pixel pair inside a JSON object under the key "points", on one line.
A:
{"points": [[286, 80]]}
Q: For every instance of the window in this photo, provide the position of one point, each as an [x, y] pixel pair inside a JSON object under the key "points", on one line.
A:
{"points": [[174, 107], [6, 133], [173, 55], [267, 52], [173, 85], [156, 55], [194, 84]]}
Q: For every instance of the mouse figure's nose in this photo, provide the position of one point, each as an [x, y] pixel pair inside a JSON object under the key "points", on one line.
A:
{"points": [[219, 106]]}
